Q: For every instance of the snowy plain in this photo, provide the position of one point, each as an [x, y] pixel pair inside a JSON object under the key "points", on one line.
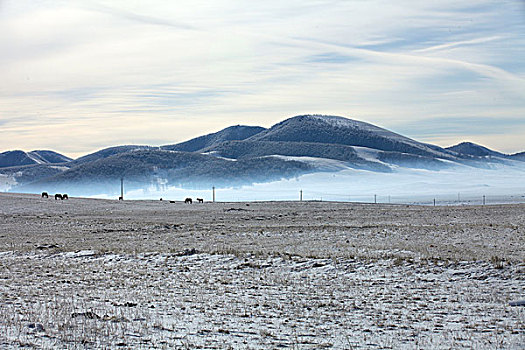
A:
{"points": [[93, 273]]}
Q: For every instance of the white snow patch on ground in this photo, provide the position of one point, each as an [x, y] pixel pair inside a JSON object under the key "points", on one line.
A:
{"points": [[93, 274]]}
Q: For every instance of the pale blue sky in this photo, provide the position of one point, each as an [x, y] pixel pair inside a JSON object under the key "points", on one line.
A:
{"points": [[160, 72]]}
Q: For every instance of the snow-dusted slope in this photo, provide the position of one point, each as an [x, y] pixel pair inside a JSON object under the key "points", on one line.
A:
{"points": [[46, 157], [344, 131], [473, 149], [20, 158], [301, 145], [232, 133]]}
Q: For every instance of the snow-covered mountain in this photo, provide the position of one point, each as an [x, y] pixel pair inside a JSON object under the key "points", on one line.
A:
{"points": [[232, 133], [108, 152], [159, 168], [19, 158], [518, 156], [240, 155], [473, 149], [344, 131]]}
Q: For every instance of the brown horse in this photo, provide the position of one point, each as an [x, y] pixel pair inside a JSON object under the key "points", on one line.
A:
{"points": [[45, 195], [188, 201], [200, 200], [58, 196], [64, 196]]}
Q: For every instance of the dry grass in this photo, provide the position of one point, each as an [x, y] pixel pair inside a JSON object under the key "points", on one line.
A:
{"points": [[102, 274]]}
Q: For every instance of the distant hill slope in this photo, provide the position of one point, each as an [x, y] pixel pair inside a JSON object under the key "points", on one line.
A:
{"points": [[251, 149], [25, 174], [108, 152], [50, 157], [240, 155], [473, 149], [20, 158], [518, 156], [156, 167], [343, 131], [232, 133]]}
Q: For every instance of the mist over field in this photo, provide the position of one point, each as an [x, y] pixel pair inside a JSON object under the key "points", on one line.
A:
{"points": [[500, 184]]}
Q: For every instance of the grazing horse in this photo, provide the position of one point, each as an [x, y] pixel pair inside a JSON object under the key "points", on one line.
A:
{"points": [[58, 196], [121, 198], [44, 194], [64, 196], [188, 201], [200, 200]]}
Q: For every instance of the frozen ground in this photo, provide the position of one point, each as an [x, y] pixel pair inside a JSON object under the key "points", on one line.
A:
{"points": [[88, 273]]}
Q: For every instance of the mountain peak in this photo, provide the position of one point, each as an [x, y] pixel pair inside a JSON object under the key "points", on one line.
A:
{"points": [[331, 129], [20, 158], [231, 133], [473, 149]]}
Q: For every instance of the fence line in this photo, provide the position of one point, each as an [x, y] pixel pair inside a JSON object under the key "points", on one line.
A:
{"points": [[467, 198]]}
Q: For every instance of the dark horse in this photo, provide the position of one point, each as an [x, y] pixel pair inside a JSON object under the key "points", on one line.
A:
{"points": [[188, 200], [45, 195], [200, 200], [58, 196], [64, 196]]}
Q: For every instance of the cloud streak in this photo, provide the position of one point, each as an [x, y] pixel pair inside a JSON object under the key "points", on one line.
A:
{"points": [[166, 72]]}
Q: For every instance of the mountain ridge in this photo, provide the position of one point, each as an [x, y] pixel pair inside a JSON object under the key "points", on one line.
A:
{"points": [[231, 133], [21, 158], [240, 154], [474, 149]]}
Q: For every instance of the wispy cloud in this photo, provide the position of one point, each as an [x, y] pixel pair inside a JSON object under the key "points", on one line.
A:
{"points": [[459, 43], [169, 71], [138, 17]]}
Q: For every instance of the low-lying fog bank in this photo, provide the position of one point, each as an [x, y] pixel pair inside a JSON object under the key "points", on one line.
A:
{"points": [[458, 185]]}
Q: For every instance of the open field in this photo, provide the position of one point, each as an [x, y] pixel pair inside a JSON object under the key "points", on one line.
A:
{"points": [[86, 273]]}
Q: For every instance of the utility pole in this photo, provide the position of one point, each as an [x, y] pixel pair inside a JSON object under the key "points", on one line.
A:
{"points": [[213, 193], [375, 198], [122, 188], [301, 195], [483, 199]]}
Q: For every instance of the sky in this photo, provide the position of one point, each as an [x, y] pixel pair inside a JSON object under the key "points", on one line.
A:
{"points": [[78, 76]]}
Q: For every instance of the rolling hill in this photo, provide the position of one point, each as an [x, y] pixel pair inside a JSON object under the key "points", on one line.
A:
{"points": [[473, 149], [19, 158], [232, 133], [240, 155]]}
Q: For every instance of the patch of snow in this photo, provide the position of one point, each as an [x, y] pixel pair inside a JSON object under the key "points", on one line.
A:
{"points": [[213, 153], [63, 168], [369, 154], [36, 158], [79, 254], [320, 163]]}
